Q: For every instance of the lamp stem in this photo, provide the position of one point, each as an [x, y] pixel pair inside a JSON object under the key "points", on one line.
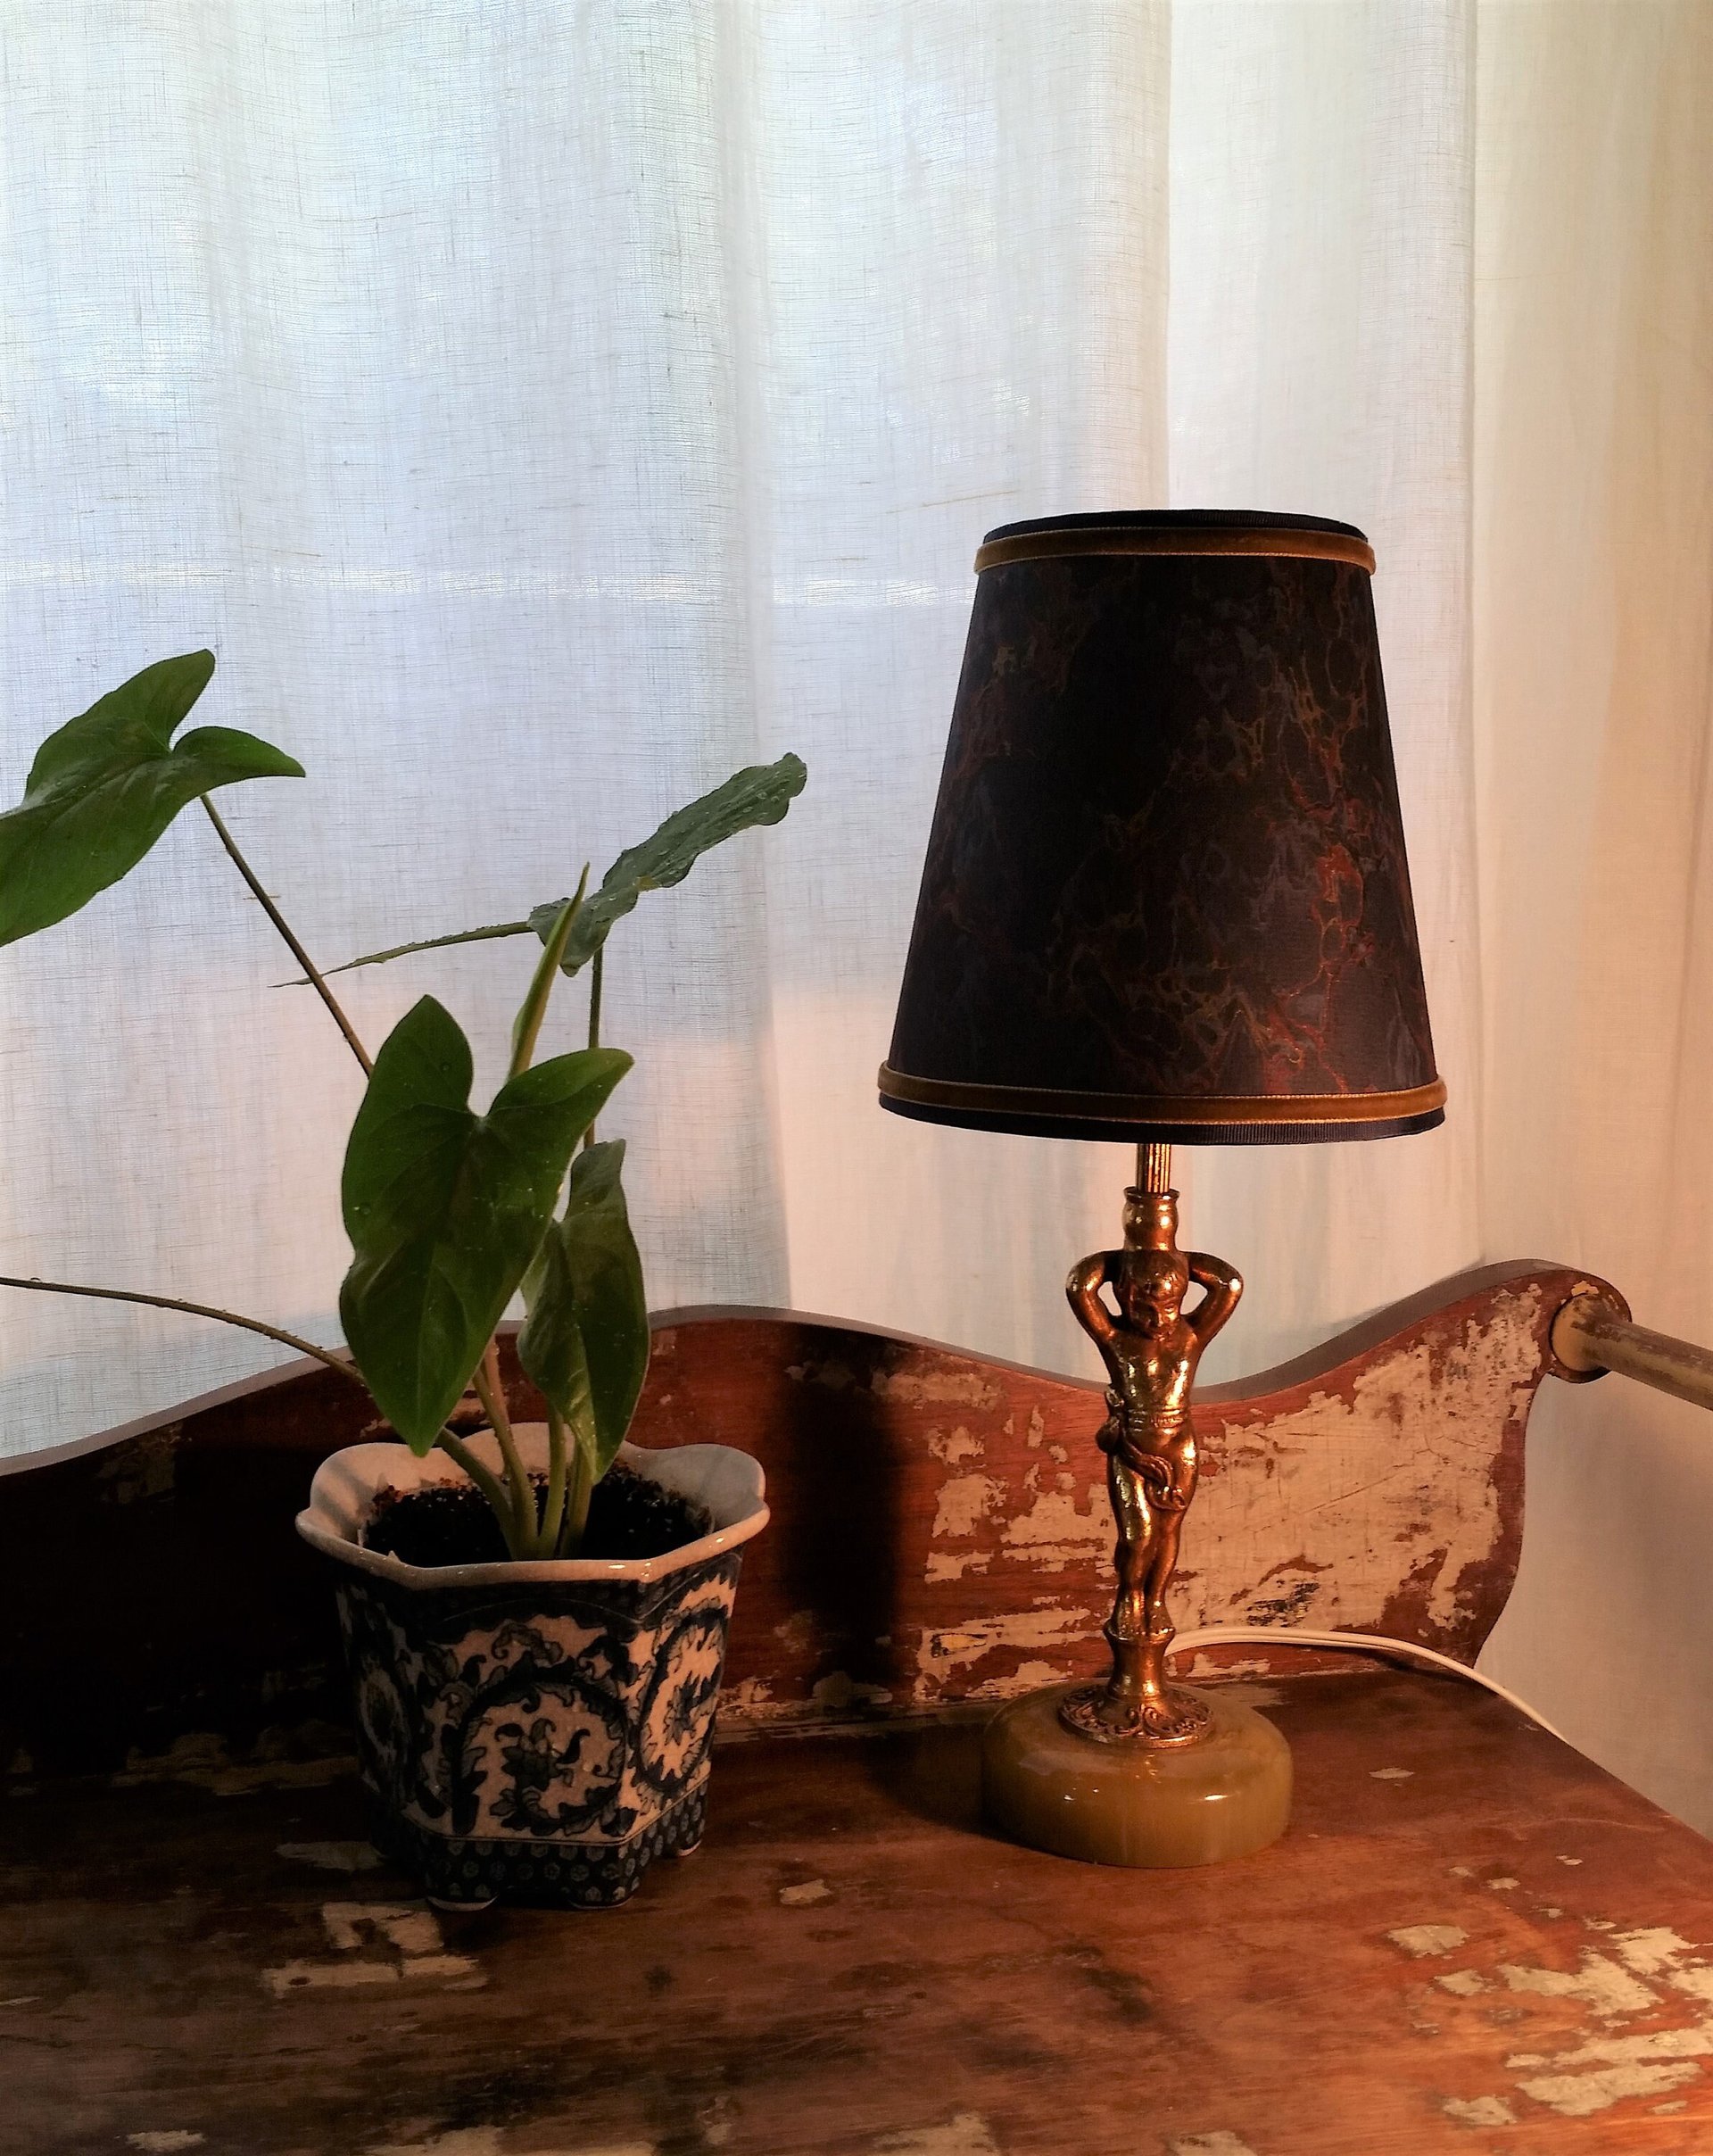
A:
{"points": [[1153, 1168]]}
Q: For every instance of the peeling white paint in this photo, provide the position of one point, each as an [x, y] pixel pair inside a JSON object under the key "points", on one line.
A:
{"points": [[1601, 1984], [952, 1564], [1652, 1951], [1424, 1939], [332, 1856], [960, 1647], [1057, 1530], [955, 1446], [966, 2134], [488, 2141], [963, 1388], [965, 1502], [1611, 2065], [1367, 1489], [1580, 2095], [1478, 2111], [409, 1928]]}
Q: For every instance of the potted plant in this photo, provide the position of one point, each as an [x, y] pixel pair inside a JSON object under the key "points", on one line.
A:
{"points": [[535, 1615]]}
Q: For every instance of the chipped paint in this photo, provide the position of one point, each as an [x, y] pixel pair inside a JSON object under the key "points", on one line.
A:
{"points": [[1391, 1774], [203, 1760], [966, 1501], [1423, 1939], [805, 1895], [1634, 1978], [1504, 1886], [952, 1564], [411, 1929], [167, 2142], [1651, 1953], [1601, 1984], [955, 1446], [332, 1856], [1222, 2143], [1057, 1530], [490, 2141], [965, 2133], [1580, 2095], [958, 1648], [1376, 1479], [960, 1387], [1478, 2111]]}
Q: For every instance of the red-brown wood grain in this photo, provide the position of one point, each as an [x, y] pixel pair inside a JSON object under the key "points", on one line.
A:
{"points": [[940, 1527], [1471, 1943]]}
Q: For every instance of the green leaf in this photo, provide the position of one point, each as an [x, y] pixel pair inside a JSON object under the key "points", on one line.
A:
{"points": [[759, 794], [585, 1342], [105, 786], [445, 1208]]}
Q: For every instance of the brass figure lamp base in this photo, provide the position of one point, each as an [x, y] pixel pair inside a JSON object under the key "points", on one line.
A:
{"points": [[1138, 1770], [1153, 1806]]}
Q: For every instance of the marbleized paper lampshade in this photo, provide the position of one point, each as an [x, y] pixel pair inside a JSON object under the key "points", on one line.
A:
{"points": [[1165, 895]]}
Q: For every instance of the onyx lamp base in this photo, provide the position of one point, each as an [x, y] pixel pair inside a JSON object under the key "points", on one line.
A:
{"points": [[1156, 1807]]}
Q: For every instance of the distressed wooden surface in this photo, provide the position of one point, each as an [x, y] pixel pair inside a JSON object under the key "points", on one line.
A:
{"points": [[1471, 1943], [941, 1528]]}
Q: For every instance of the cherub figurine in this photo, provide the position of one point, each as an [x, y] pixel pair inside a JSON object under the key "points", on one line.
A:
{"points": [[1151, 1349]]}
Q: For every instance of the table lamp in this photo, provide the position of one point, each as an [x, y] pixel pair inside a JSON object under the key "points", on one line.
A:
{"points": [[1165, 900]]}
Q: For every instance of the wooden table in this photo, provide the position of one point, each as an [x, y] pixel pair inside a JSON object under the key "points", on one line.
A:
{"points": [[1471, 1940]]}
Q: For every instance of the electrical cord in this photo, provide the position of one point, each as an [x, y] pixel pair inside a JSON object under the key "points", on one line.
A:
{"points": [[1366, 1643]]}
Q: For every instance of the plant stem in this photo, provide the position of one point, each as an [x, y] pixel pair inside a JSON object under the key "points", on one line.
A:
{"points": [[594, 1017], [292, 943], [528, 1028], [492, 1488], [491, 1394], [171, 1302], [581, 1488], [553, 1503]]}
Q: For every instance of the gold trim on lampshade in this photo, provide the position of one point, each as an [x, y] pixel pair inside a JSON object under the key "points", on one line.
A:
{"points": [[1280, 543]]}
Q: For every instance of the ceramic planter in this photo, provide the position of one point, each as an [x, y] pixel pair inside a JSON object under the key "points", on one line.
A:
{"points": [[536, 1732]]}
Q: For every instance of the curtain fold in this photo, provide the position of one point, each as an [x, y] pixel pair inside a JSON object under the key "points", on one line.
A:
{"points": [[544, 411]]}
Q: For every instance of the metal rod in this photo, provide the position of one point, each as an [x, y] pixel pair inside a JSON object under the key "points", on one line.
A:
{"points": [[1588, 1334], [1152, 1169]]}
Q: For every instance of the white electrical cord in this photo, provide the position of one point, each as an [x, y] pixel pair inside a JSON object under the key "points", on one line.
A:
{"points": [[1366, 1643]]}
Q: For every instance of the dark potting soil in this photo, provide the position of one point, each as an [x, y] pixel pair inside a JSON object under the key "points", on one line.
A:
{"points": [[629, 1516]]}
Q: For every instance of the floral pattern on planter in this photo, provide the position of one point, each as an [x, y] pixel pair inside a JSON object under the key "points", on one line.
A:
{"points": [[542, 1742]]}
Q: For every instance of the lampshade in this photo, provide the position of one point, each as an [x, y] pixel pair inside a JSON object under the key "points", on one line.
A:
{"points": [[1165, 895]]}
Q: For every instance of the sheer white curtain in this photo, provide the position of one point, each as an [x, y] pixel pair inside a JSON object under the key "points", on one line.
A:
{"points": [[543, 410]]}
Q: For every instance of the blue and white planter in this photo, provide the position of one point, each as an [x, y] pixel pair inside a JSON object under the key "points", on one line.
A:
{"points": [[536, 1732]]}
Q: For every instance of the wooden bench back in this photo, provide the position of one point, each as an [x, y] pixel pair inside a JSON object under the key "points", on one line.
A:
{"points": [[940, 1530]]}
